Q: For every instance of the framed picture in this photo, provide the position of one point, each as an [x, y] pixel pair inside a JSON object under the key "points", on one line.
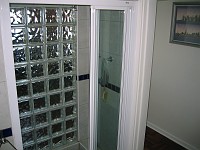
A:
{"points": [[185, 28]]}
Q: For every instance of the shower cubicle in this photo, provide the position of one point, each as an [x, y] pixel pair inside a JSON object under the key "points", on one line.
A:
{"points": [[70, 65]]}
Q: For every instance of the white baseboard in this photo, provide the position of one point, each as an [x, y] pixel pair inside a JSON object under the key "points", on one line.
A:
{"points": [[171, 136]]}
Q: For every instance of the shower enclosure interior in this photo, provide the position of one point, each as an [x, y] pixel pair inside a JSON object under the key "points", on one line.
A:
{"points": [[51, 51]]}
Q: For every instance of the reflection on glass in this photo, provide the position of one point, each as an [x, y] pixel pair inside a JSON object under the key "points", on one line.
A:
{"points": [[52, 33], [16, 15], [35, 34], [53, 68], [19, 54], [21, 72], [26, 122], [39, 103], [18, 35], [33, 15], [51, 15], [52, 51], [24, 107], [57, 140], [55, 99], [110, 35], [37, 70], [27, 137], [36, 52], [42, 133]]}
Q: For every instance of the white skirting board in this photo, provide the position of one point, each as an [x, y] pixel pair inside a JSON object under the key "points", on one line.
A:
{"points": [[171, 136]]}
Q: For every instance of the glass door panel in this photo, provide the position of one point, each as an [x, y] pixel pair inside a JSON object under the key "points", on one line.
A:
{"points": [[111, 27]]}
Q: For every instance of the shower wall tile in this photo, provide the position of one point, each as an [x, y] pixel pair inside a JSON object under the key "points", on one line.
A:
{"points": [[5, 120], [83, 68], [83, 12], [85, 144], [84, 114], [83, 61], [83, 92], [83, 33], [84, 132]]}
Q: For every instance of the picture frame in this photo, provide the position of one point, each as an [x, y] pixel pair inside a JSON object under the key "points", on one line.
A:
{"points": [[185, 27]]}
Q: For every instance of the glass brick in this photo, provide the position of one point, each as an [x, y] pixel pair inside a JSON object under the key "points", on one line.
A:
{"points": [[39, 103], [36, 52], [51, 15], [35, 34], [18, 35], [16, 16], [53, 51], [19, 54], [32, 147], [70, 136], [41, 118], [53, 68], [55, 114], [57, 141], [70, 110], [52, 33], [55, 100], [24, 107], [56, 128], [37, 70], [70, 124], [54, 84], [68, 15], [68, 32], [69, 96], [68, 81], [27, 137], [21, 72], [68, 49], [43, 145], [22, 90], [33, 15], [38, 87], [26, 123], [42, 133], [68, 66]]}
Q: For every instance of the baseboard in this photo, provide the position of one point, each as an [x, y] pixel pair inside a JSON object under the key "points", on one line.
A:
{"points": [[170, 136]]}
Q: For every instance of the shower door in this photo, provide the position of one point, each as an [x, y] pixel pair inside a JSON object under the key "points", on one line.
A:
{"points": [[110, 61], [111, 24]]}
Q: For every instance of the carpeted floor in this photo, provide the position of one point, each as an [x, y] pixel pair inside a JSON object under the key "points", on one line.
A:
{"points": [[156, 141]]}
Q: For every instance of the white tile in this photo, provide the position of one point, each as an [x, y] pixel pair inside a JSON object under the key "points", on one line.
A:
{"points": [[83, 33], [83, 12], [85, 143], [84, 115], [84, 132], [5, 120], [83, 95], [83, 62]]}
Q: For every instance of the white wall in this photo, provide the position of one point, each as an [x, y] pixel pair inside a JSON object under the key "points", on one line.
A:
{"points": [[174, 105], [5, 119]]}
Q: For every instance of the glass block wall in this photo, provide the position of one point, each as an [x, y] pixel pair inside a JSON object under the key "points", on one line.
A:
{"points": [[44, 51]]}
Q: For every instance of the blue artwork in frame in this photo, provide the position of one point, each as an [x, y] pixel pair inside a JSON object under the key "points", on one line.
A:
{"points": [[185, 27]]}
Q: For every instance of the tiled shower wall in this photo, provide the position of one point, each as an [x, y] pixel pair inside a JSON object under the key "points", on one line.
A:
{"points": [[83, 69]]}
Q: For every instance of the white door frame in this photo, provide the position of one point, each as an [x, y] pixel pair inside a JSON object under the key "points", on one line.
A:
{"points": [[140, 83]]}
